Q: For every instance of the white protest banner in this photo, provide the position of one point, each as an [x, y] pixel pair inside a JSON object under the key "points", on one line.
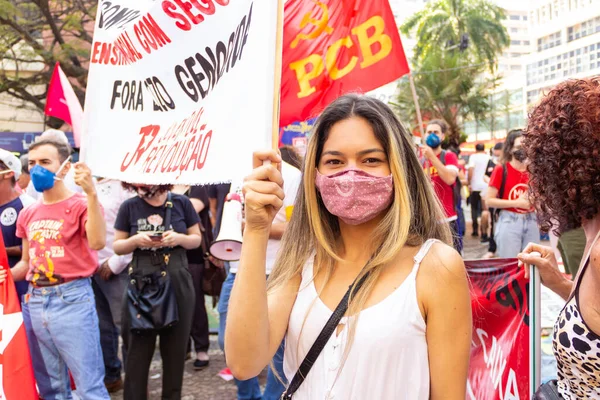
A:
{"points": [[179, 91]]}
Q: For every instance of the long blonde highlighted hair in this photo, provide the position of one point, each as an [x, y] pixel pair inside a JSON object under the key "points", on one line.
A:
{"points": [[414, 216]]}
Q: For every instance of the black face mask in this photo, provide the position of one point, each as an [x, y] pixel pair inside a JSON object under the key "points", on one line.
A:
{"points": [[519, 155], [148, 192]]}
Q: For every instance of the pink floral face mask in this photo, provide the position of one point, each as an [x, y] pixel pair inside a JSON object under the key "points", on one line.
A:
{"points": [[354, 195]]}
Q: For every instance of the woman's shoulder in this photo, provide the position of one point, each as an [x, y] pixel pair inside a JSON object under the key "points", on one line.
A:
{"points": [[442, 282], [442, 265]]}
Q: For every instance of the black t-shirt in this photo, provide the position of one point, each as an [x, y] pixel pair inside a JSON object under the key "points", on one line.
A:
{"points": [[196, 256], [218, 192], [136, 215]]}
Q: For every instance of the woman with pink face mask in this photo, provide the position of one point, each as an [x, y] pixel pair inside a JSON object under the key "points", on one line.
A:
{"points": [[370, 298]]}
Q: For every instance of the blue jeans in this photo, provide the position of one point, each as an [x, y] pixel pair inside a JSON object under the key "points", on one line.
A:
{"points": [[250, 389], [513, 231], [62, 330], [109, 303]]}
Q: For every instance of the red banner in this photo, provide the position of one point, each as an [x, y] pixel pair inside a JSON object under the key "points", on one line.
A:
{"points": [[332, 47], [16, 373], [499, 368]]}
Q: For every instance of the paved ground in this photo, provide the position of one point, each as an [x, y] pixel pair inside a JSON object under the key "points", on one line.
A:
{"points": [[208, 385]]}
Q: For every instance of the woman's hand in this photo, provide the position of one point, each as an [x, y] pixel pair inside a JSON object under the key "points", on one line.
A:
{"points": [[171, 239], [523, 202], [263, 191], [143, 240], [545, 261], [105, 272], [2, 274]]}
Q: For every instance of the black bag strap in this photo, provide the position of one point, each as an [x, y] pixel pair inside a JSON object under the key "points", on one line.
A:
{"points": [[321, 341], [503, 184], [169, 206]]}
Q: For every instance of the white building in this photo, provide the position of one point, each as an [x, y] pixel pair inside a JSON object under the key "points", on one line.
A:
{"points": [[508, 107], [15, 115], [566, 34]]}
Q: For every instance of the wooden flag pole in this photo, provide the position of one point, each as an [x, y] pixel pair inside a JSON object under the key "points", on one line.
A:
{"points": [[417, 108], [277, 75]]}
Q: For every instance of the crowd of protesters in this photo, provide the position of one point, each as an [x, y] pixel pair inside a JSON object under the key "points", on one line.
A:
{"points": [[365, 224]]}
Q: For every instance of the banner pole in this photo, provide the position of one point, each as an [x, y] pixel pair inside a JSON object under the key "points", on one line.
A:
{"points": [[417, 108], [535, 321], [277, 76]]}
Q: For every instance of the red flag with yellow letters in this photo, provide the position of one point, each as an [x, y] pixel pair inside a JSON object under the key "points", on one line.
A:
{"points": [[333, 47]]}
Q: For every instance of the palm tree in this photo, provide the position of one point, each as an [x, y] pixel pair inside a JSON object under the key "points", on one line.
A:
{"points": [[447, 89], [442, 24]]}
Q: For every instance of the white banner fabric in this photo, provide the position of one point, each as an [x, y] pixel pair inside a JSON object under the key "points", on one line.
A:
{"points": [[179, 91]]}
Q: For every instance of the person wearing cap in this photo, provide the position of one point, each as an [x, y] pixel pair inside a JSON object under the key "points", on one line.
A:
{"points": [[11, 205], [57, 136]]}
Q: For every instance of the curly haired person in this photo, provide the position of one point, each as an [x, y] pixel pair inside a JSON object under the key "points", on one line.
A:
{"points": [[562, 143]]}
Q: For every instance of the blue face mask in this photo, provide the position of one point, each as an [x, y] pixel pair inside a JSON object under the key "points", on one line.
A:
{"points": [[43, 179], [433, 141]]}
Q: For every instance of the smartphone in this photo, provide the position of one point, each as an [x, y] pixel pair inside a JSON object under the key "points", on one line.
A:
{"points": [[156, 236]]}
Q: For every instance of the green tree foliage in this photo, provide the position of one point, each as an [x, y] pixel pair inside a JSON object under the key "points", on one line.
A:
{"points": [[447, 88], [34, 35], [442, 23]]}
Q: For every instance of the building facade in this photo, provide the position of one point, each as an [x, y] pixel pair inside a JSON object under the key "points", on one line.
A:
{"points": [[566, 34], [507, 103]]}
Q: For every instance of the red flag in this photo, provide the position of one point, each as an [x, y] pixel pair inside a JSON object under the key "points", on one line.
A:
{"points": [[333, 47], [16, 373], [61, 102], [499, 365]]}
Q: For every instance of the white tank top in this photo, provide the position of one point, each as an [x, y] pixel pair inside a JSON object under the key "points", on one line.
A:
{"points": [[388, 358]]}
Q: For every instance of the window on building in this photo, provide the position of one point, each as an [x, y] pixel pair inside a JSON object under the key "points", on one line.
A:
{"points": [[516, 119], [514, 30], [516, 97], [583, 29], [515, 67], [547, 42], [514, 17], [515, 42], [470, 127]]}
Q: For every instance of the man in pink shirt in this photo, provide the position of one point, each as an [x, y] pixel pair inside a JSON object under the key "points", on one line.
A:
{"points": [[61, 234]]}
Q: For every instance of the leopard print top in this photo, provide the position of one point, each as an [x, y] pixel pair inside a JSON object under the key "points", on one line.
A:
{"points": [[577, 351]]}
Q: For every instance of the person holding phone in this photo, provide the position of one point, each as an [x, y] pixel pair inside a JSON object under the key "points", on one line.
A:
{"points": [[141, 229]]}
